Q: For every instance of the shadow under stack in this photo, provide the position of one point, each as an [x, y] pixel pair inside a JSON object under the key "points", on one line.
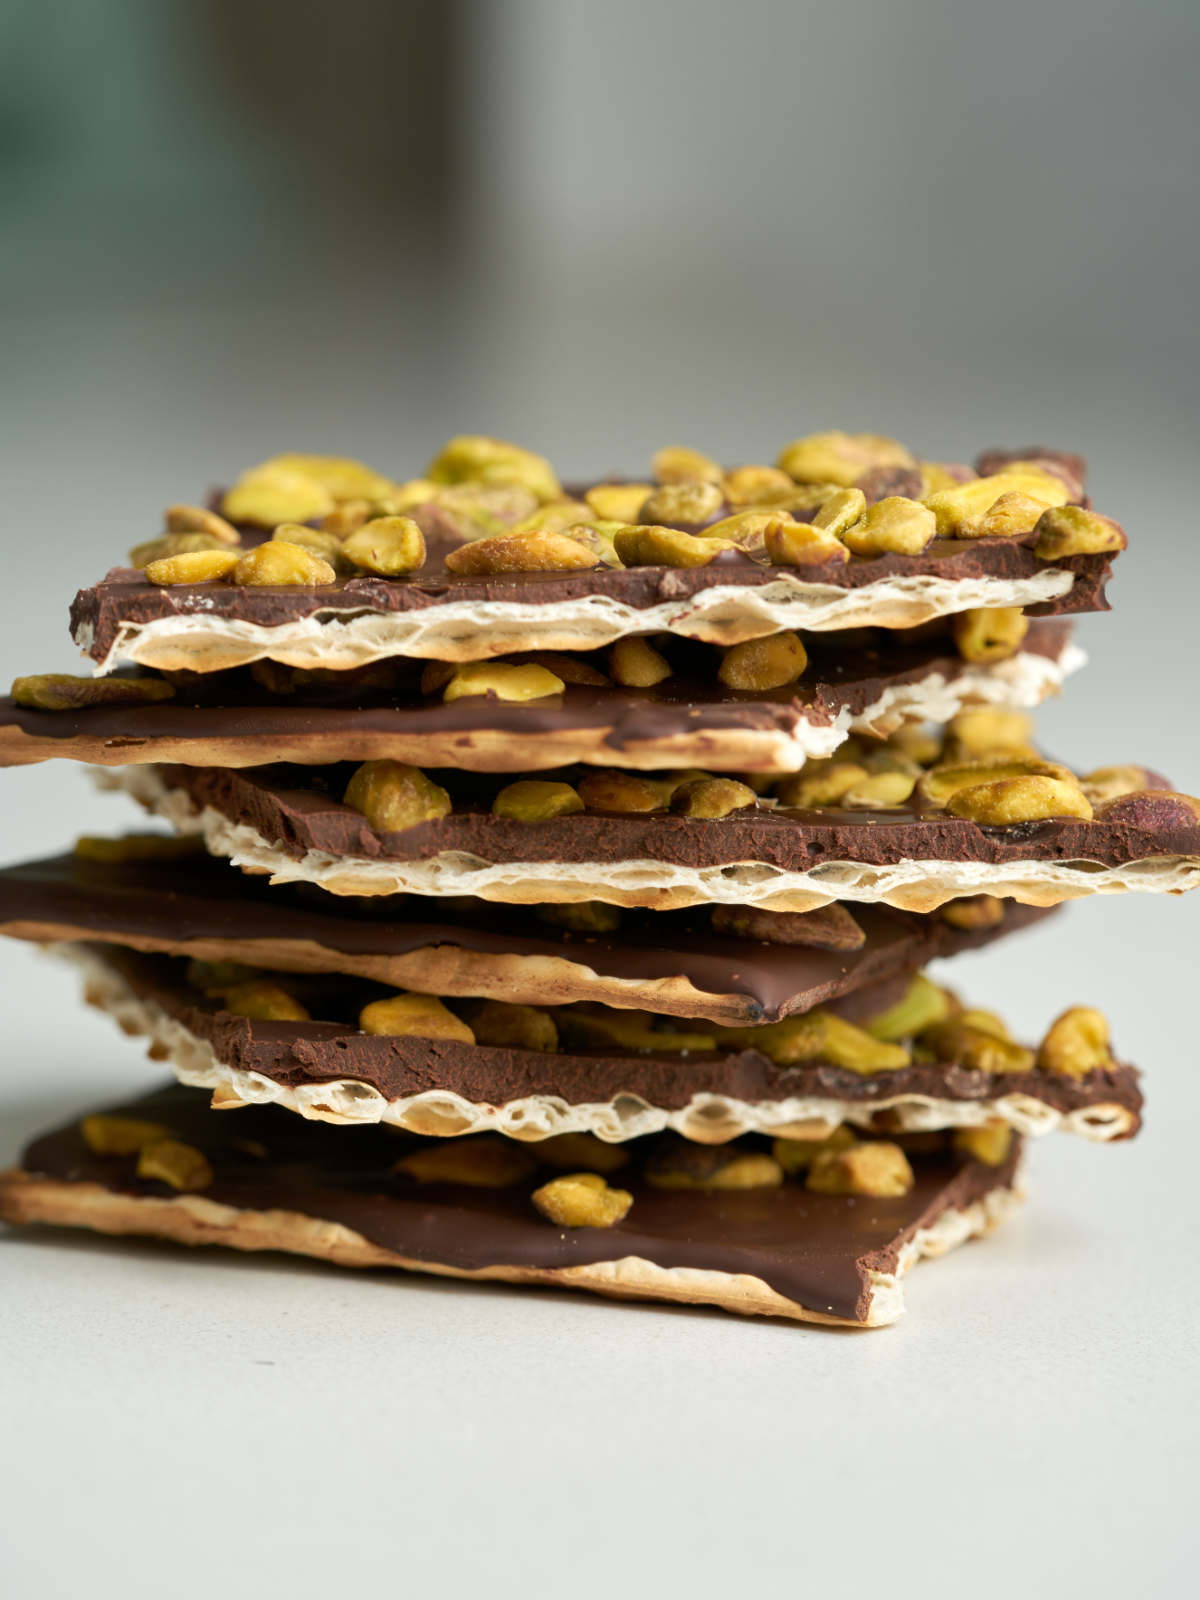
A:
{"points": [[552, 871]]}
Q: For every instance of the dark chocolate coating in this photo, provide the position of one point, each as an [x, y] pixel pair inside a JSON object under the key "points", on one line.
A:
{"points": [[817, 1250], [290, 809], [204, 899], [298, 1053], [124, 596], [852, 678]]}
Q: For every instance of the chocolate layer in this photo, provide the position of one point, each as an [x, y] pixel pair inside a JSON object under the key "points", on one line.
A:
{"points": [[817, 1250], [233, 722], [295, 810], [124, 596], [296, 1054], [202, 906]]}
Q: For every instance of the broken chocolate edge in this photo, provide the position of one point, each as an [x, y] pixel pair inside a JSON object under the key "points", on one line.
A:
{"points": [[818, 1251]]}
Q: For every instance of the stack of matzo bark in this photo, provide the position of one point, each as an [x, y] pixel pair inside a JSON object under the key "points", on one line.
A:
{"points": [[553, 870]]}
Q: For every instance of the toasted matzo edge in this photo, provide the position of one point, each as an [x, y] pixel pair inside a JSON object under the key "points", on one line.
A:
{"points": [[1023, 680], [909, 885], [725, 614], [195, 1220], [708, 1118]]}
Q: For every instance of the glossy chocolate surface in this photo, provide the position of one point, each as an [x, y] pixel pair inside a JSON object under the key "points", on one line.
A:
{"points": [[232, 708], [297, 809], [202, 899], [124, 596], [296, 1054], [817, 1250]]}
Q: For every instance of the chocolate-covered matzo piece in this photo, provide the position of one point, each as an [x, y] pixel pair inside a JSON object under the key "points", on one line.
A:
{"points": [[266, 1181]]}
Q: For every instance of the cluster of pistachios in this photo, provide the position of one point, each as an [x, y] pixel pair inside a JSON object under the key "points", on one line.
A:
{"points": [[982, 768], [829, 496], [296, 555], [580, 1194], [335, 517], [927, 1024], [159, 1156], [755, 666], [985, 769]]}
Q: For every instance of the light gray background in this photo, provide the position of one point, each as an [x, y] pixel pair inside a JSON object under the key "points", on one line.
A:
{"points": [[653, 222]]}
